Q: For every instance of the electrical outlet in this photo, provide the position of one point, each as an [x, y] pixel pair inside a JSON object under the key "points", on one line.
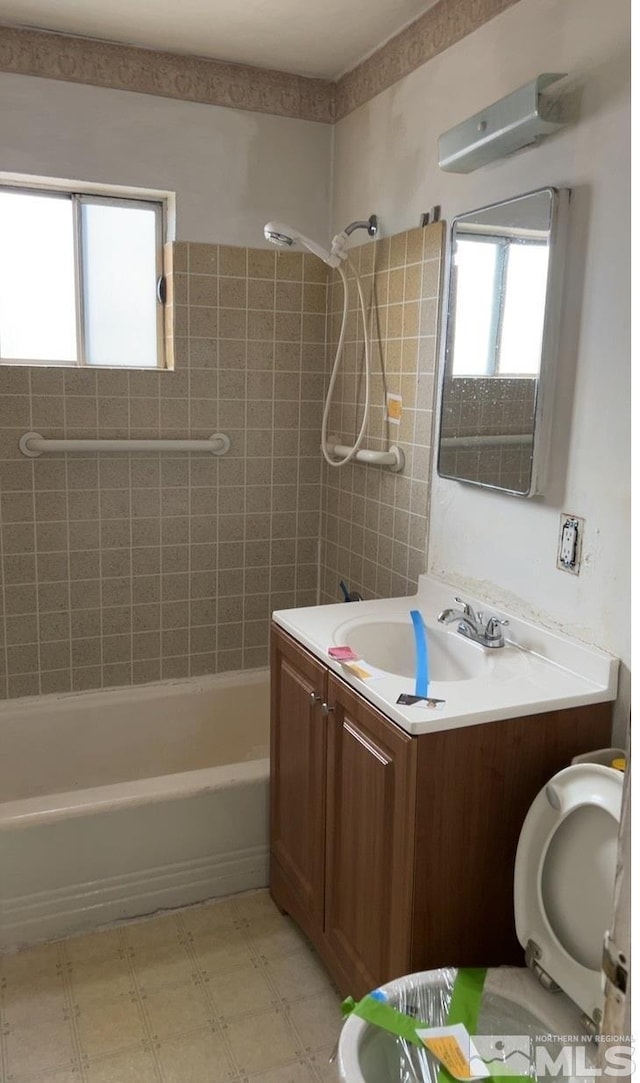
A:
{"points": [[570, 543]]}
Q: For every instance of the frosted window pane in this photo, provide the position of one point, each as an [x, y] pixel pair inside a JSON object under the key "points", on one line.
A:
{"points": [[119, 246], [475, 267], [37, 283], [523, 320]]}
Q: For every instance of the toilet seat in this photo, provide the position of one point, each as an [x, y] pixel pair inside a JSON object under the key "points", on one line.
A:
{"points": [[564, 877]]}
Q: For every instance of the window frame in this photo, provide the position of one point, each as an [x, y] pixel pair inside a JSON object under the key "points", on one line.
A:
{"points": [[109, 196], [503, 245]]}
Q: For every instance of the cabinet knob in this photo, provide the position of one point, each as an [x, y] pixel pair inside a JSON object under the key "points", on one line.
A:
{"points": [[314, 698], [326, 709]]}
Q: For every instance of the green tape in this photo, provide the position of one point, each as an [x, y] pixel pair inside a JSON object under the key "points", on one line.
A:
{"points": [[381, 1014], [464, 1007], [466, 998]]}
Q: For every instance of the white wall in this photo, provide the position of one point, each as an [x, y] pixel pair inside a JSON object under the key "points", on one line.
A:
{"points": [[504, 548], [231, 170]]}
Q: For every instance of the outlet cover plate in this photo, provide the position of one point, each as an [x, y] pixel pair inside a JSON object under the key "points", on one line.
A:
{"points": [[570, 543]]}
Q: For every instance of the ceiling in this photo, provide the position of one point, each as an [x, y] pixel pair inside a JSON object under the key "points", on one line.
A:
{"points": [[322, 38]]}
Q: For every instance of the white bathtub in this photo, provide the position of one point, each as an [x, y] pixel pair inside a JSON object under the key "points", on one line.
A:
{"points": [[118, 803]]}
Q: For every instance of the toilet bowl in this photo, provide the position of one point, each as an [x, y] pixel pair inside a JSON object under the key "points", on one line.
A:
{"points": [[563, 895]]}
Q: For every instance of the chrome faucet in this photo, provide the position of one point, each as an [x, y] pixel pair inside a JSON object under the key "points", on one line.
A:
{"points": [[473, 626]]}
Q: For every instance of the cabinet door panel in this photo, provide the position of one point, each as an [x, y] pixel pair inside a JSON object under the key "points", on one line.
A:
{"points": [[370, 841], [298, 761]]}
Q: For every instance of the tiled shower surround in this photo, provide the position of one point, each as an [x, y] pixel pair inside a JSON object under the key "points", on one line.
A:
{"points": [[125, 568], [129, 568], [498, 410], [375, 521]]}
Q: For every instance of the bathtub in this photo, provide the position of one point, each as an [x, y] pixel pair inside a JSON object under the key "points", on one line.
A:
{"points": [[118, 803]]}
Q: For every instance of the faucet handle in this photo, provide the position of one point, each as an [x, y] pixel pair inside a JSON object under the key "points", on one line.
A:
{"points": [[467, 609], [492, 631]]}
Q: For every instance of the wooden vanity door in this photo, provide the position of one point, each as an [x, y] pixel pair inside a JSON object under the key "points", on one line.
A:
{"points": [[298, 764], [371, 778]]}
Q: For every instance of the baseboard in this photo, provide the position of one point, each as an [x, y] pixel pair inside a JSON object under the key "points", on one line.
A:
{"points": [[79, 907]]}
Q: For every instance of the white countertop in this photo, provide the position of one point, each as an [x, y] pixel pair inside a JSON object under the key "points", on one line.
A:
{"points": [[536, 670]]}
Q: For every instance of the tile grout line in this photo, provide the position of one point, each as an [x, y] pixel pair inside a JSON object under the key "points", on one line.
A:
{"points": [[66, 969], [190, 470], [296, 584], [279, 1003], [218, 1027], [4, 1054], [100, 534], [5, 647], [159, 456], [128, 460], [35, 542], [245, 378], [274, 370], [221, 428], [129, 956], [66, 504]]}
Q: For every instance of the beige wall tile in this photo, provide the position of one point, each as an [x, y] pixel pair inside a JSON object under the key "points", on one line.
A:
{"points": [[233, 261], [261, 263], [202, 258], [289, 265], [232, 293], [261, 293]]}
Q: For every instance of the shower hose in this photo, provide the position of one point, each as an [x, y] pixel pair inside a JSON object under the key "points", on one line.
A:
{"points": [[336, 367]]}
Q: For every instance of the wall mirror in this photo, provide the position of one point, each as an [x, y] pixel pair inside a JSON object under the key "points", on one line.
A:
{"points": [[505, 277]]}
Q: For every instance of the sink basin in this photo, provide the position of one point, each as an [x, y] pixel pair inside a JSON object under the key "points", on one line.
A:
{"points": [[390, 645]]}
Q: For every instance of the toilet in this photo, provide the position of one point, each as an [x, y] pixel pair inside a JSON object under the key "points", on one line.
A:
{"points": [[563, 897]]}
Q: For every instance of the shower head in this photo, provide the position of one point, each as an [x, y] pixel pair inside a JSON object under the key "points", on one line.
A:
{"points": [[285, 237]]}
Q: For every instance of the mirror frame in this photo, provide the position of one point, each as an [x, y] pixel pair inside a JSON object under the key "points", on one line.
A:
{"points": [[560, 198]]}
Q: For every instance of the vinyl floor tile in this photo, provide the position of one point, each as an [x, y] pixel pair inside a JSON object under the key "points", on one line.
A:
{"points": [[242, 993], [262, 1042], [109, 1026], [134, 1066], [201, 1058], [98, 980], [176, 1010], [35, 1049]]}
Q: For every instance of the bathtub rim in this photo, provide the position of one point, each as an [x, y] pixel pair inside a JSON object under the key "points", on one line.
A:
{"points": [[52, 808], [136, 692]]}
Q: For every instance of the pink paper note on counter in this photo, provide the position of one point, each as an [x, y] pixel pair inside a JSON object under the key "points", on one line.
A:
{"points": [[342, 654]]}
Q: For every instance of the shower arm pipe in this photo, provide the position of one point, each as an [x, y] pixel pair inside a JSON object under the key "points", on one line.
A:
{"points": [[340, 241], [32, 444], [371, 226], [393, 458]]}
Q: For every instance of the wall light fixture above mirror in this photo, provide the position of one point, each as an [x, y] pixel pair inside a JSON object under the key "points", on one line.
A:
{"points": [[504, 296], [518, 120]]}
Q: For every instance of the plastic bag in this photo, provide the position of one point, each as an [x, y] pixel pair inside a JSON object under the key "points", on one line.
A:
{"points": [[505, 1033]]}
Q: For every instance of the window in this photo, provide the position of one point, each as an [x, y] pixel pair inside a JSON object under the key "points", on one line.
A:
{"points": [[499, 320], [80, 277]]}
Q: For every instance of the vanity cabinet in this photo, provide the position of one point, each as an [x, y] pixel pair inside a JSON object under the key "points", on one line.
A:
{"points": [[395, 853]]}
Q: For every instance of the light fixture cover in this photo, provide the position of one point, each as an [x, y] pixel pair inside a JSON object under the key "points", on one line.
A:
{"points": [[516, 121]]}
